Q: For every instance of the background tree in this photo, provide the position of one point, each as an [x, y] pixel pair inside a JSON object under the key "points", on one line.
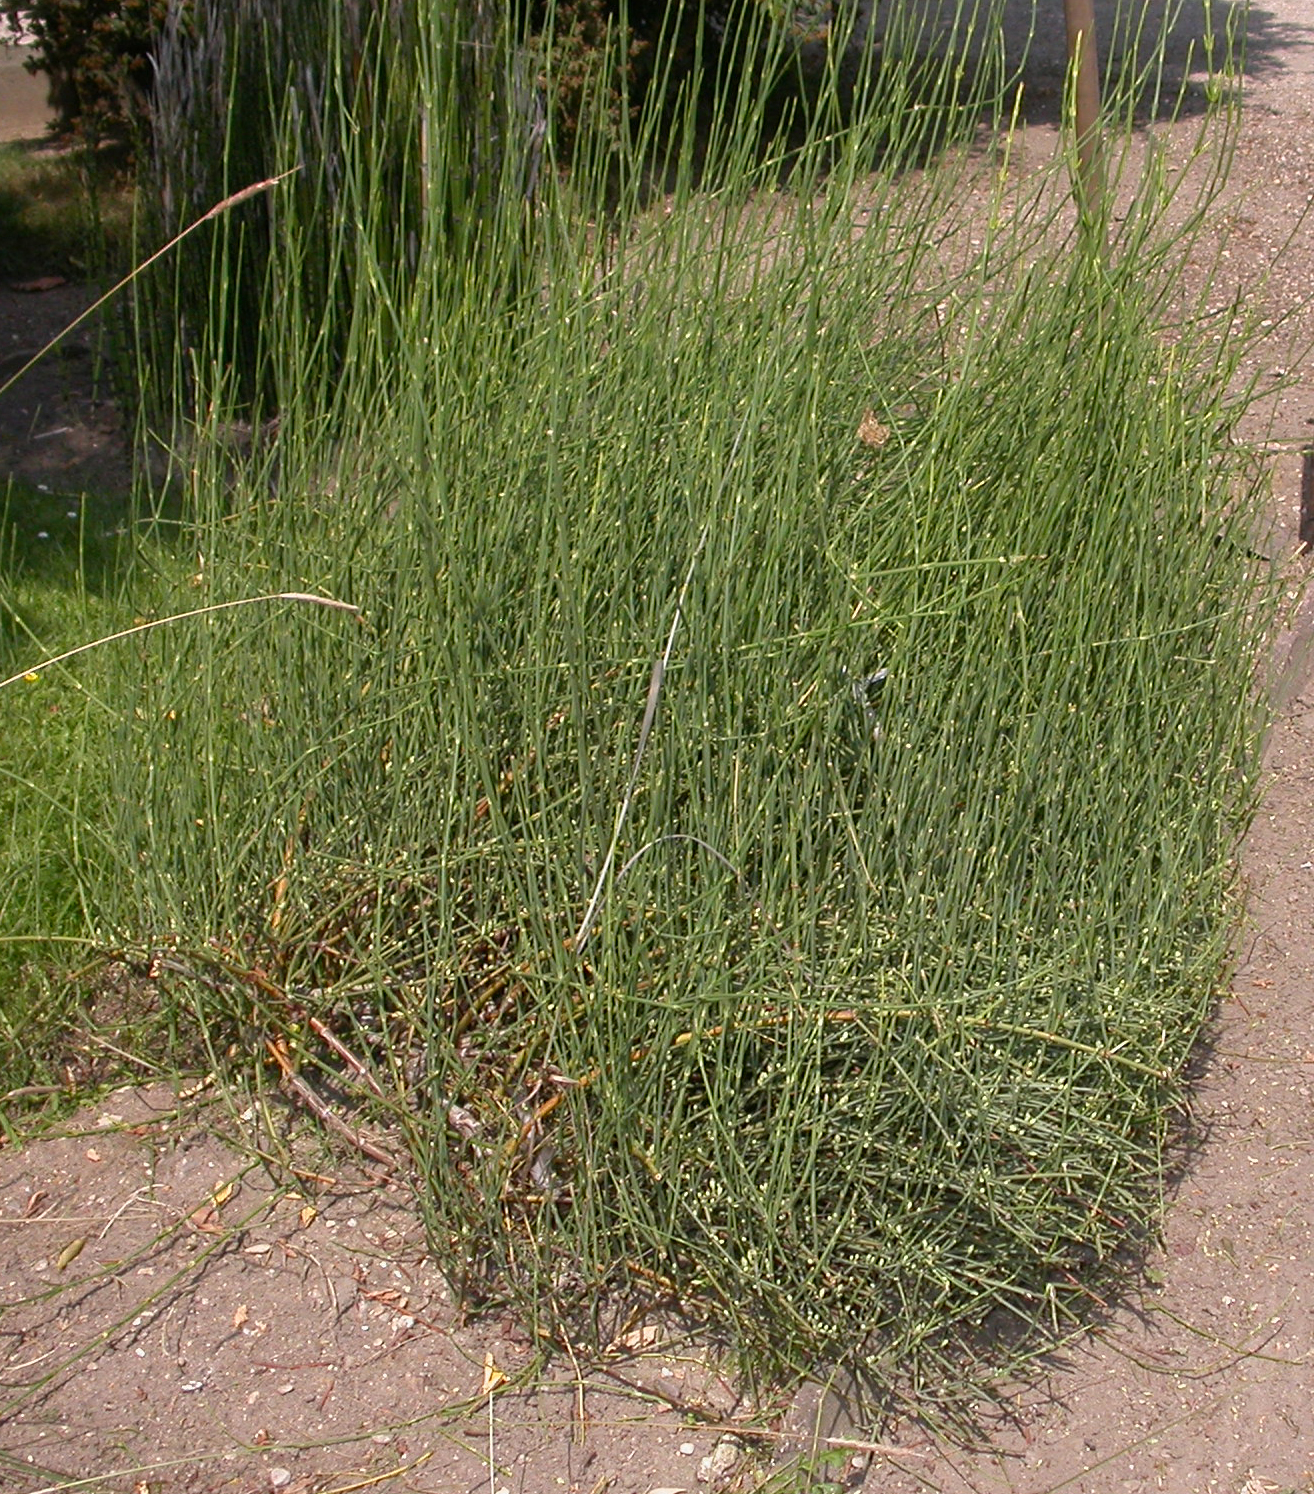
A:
{"points": [[97, 56]]}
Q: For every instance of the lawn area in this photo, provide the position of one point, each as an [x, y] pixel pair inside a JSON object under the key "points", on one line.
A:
{"points": [[62, 567], [60, 212]]}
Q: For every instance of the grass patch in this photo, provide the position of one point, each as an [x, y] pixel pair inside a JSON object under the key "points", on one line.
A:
{"points": [[923, 888], [64, 562], [62, 211], [769, 835], [63, 559]]}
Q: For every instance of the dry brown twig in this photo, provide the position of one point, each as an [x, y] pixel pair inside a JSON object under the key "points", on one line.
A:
{"points": [[297, 1087]]}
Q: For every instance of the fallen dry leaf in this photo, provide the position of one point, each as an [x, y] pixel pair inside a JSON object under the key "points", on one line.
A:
{"points": [[221, 1195], [389, 1297], [493, 1377], [70, 1253], [240, 1316], [308, 1216], [205, 1218], [639, 1338], [41, 283], [871, 432]]}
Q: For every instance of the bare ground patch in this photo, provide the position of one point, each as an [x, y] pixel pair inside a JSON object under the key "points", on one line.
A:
{"points": [[172, 1320]]}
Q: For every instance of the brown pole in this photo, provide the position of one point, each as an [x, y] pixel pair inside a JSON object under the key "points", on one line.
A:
{"points": [[1084, 59]]}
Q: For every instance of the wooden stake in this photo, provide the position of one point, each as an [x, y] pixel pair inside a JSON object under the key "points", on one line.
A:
{"points": [[1083, 58]]}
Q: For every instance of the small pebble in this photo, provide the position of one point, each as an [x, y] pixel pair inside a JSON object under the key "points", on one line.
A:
{"points": [[279, 1478], [719, 1466], [688, 1449]]}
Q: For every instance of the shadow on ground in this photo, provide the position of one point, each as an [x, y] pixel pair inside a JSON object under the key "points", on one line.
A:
{"points": [[1253, 41]]}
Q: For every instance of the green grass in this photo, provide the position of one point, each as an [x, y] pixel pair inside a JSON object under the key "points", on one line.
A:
{"points": [[62, 563], [770, 832], [62, 212], [63, 567]]}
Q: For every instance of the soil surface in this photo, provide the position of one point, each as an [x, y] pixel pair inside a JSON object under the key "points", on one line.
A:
{"points": [[59, 427], [174, 1321], [23, 106]]}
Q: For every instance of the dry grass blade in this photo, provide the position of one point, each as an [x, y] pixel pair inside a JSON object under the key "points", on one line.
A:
{"points": [[31, 672], [216, 211], [659, 669]]}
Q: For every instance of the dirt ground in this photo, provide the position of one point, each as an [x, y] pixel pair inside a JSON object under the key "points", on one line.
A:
{"points": [[23, 112], [173, 1322]]}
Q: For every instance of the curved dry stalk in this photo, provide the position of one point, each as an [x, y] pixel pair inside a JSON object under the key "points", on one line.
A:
{"points": [[220, 207], [277, 596]]}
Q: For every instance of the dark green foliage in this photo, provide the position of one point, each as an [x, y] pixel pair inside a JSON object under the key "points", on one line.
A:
{"points": [[97, 55], [466, 102], [334, 94]]}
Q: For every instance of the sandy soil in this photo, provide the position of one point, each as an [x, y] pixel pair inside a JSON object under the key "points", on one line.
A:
{"points": [[23, 111], [172, 1321]]}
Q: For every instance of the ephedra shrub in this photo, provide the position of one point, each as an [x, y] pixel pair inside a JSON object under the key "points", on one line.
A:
{"points": [[770, 833]]}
